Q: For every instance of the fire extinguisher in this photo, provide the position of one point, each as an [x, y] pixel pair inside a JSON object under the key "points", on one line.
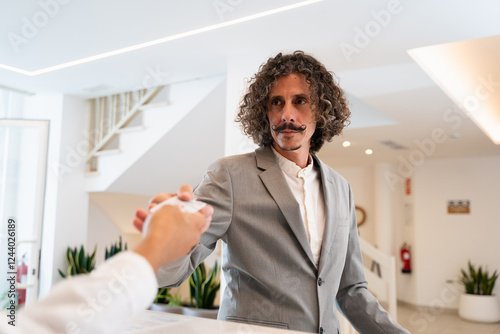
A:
{"points": [[22, 277], [406, 258]]}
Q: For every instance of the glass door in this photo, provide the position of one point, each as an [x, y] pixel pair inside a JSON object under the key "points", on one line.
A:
{"points": [[23, 163]]}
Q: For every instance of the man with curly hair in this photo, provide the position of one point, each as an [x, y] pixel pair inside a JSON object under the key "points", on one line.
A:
{"points": [[287, 220]]}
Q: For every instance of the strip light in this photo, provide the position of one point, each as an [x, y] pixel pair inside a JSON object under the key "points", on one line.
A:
{"points": [[157, 41]]}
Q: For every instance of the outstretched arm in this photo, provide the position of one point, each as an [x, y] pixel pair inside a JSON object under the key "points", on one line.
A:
{"points": [[171, 233], [106, 300]]}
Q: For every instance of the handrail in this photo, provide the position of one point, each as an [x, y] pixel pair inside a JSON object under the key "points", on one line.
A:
{"points": [[107, 116], [388, 284], [389, 263]]}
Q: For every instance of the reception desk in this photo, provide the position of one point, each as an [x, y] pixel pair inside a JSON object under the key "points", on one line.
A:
{"points": [[168, 323]]}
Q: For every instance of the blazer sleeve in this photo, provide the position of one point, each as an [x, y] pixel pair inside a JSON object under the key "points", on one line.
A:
{"points": [[356, 303], [215, 189]]}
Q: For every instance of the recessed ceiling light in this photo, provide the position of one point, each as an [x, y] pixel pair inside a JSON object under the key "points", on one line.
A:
{"points": [[369, 151], [346, 143], [158, 41]]}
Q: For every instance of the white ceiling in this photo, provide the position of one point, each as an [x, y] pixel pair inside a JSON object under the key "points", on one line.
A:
{"points": [[380, 74]]}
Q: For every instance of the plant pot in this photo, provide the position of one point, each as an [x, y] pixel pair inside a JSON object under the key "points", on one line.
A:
{"points": [[201, 312], [166, 308], [479, 308]]}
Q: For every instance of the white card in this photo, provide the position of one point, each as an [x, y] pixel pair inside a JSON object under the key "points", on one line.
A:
{"points": [[186, 206]]}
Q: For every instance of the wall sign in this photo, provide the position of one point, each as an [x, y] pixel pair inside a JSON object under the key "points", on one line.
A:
{"points": [[459, 206]]}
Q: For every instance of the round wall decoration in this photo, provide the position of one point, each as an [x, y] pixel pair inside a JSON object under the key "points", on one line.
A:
{"points": [[360, 215]]}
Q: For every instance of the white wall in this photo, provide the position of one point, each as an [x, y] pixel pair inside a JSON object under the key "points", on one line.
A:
{"points": [[361, 180], [110, 216], [445, 242], [240, 70], [65, 209], [103, 232], [441, 243]]}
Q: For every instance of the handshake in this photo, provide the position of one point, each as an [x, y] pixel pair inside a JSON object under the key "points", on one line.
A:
{"points": [[172, 227]]}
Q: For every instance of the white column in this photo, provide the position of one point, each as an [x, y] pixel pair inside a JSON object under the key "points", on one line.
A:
{"points": [[384, 208], [66, 201], [240, 69]]}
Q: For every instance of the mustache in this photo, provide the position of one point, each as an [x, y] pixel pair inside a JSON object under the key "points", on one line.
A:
{"points": [[289, 126]]}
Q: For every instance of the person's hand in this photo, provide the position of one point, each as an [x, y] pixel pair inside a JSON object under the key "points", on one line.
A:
{"points": [[172, 233], [185, 193]]}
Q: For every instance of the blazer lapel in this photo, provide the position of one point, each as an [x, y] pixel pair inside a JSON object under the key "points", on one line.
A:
{"points": [[273, 179], [331, 198]]}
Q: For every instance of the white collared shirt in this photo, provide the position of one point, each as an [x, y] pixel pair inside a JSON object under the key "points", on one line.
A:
{"points": [[305, 185]]}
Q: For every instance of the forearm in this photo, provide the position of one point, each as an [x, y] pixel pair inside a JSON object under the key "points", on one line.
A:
{"points": [[358, 305], [214, 190], [104, 301], [175, 273]]}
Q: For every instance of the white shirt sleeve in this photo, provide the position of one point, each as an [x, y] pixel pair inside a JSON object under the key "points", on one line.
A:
{"points": [[104, 301]]}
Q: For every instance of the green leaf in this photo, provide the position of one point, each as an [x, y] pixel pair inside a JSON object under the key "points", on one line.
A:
{"points": [[71, 260], [79, 260], [203, 286], [61, 273], [68, 254], [478, 281], [91, 262]]}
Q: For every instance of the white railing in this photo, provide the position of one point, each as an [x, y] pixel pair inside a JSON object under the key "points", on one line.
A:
{"points": [[109, 114], [381, 283]]}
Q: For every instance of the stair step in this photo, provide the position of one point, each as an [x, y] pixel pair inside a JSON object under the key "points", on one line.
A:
{"points": [[107, 152], [147, 129], [93, 173], [131, 129], [153, 105]]}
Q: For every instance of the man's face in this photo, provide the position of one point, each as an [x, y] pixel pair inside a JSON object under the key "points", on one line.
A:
{"points": [[290, 114]]}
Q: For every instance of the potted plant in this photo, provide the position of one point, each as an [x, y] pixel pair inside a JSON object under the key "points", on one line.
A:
{"points": [[79, 262], [203, 288], [478, 303], [166, 302], [116, 248]]}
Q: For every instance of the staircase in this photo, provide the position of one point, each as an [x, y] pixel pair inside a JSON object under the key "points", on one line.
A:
{"points": [[161, 141]]}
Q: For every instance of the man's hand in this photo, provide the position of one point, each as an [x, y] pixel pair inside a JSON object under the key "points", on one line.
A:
{"points": [[171, 232], [185, 193]]}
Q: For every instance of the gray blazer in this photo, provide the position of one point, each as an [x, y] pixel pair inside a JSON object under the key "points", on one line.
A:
{"points": [[271, 276]]}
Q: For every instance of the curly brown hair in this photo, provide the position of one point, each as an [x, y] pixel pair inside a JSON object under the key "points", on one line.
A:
{"points": [[328, 101]]}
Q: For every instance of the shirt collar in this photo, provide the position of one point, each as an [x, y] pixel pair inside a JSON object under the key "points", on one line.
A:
{"points": [[290, 167]]}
